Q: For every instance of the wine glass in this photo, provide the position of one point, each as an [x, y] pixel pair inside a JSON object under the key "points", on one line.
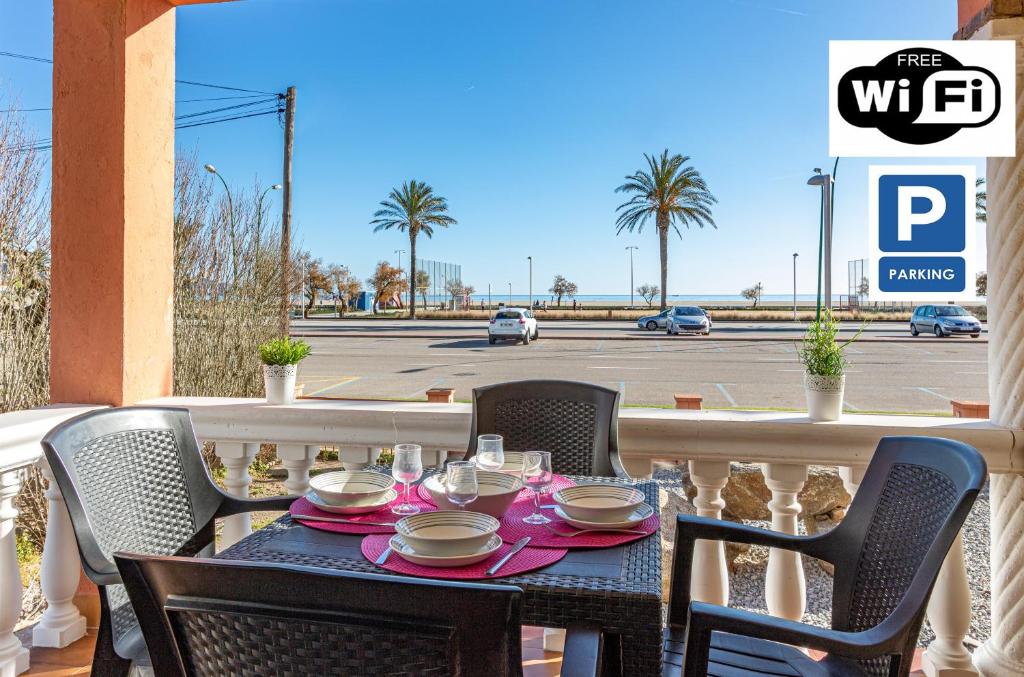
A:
{"points": [[406, 468], [490, 453], [537, 476], [460, 485]]}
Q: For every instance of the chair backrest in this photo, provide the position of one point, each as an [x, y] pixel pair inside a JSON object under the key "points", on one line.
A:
{"points": [[133, 479], [577, 422], [209, 617], [913, 499]]}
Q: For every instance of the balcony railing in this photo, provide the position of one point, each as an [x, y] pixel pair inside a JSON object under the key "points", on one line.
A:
{"points": [[784, 443]]}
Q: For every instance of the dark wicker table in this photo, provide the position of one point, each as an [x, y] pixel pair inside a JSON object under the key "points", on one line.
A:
{"points": [[618, 588]]}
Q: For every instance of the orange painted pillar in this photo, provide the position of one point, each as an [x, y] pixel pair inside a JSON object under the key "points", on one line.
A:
{"points": [[113, 185]]}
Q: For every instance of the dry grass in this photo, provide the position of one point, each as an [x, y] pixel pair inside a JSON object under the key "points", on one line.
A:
{"points": [[737, 314]]}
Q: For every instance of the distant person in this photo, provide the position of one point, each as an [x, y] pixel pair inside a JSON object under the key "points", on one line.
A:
{"points": [[481, 305], [574, 304]]}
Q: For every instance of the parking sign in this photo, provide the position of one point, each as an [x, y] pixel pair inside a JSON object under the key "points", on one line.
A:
{"points": [[921, 232]]}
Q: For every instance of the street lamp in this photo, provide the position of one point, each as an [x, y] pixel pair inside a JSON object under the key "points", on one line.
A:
{"points": [[530, 259], [400, 252], [631, 249], [794, 285], [259, 225], [824, 237], [231, 223], [509, 294]]}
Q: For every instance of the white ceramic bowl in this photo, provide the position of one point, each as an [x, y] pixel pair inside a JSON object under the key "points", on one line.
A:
{"points": [[446, 533], [599, 502], [498, 490], [403, 550], [358, 508], [513, 464], [351, 488]]}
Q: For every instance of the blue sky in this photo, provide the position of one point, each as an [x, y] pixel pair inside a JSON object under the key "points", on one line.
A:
{"points": [[526, 115]]}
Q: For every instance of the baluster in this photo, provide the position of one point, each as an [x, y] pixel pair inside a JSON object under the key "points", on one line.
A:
{"points": [[434, 458], [236, 457], [13, 656], [785, 589], [710, 577], [949, 612], [61, 623], [297, 459], [357, 458]]}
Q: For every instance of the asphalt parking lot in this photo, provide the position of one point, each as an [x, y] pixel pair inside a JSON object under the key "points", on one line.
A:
{"points": [[919, 375]]}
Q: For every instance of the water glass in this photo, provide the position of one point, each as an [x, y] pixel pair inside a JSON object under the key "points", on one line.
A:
{"points": [[490, 452], [537, 476], [460, 484], [407, 468]]}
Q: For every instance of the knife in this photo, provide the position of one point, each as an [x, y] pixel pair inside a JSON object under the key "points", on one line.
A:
{"points": [[341, 520], [520, 544], [383, 557]]}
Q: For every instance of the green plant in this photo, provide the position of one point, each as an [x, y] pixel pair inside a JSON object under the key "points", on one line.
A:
{"points": [[821, 353], [284, 351]]}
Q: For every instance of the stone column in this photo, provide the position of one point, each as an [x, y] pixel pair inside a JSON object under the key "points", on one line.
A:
{"points": [[785, 588], [709, 579], [1003, 653]]}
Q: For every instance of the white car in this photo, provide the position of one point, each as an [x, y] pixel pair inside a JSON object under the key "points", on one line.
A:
{"points": [[688, 320], [512, 323]]}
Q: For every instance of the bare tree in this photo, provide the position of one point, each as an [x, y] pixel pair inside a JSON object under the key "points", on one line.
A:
{"points": [[753, 293], [648, 292], [346, 287], [562, 287]]}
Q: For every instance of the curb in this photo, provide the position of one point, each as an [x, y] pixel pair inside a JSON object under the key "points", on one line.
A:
{"points": [[634, 337]]}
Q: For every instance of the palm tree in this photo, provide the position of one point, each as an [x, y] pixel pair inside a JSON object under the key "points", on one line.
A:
{"points": [[980, 201], [413, 208], [672, 192]]}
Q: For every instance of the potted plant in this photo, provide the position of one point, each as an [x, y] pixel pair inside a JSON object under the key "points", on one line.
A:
{"points": [[825, 362], [281, 359]]}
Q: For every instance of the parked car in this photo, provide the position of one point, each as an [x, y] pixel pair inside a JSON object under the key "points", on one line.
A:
{"points": [[688, 320], [652, 322], [944, 321], [513, 323]]}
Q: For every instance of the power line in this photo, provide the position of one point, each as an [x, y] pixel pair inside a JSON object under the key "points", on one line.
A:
{"points": [[28, 57], [272, 111], [224, 108], [208, 98]]}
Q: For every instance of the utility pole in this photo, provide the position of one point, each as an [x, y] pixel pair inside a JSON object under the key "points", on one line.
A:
{"points": [[794, 285], [286, 213], [631, 249]]}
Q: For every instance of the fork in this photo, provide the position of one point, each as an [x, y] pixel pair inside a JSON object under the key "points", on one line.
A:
{"points": [[570, 534]]}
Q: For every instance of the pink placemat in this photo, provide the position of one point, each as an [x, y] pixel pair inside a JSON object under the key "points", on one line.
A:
{"points": [[303, 507], [527, 559], [558, 482], [513, 528]]}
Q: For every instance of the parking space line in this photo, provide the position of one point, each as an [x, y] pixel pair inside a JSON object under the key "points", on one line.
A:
{"points": [[726, 395], [929, 391], [343, 382], [424, 389], [627, 368]]}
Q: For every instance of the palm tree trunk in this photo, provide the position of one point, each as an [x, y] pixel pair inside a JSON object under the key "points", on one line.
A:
{"points": [[663, 245], [412, 274]]}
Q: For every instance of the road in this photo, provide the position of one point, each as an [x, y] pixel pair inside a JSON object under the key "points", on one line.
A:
{"points": [[898, 376], [581, 329]]}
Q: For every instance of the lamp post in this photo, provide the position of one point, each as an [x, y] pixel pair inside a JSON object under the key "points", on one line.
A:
{"points": [[488, 296], [259, 228], [411, 282], [631, 249], [794, 285], [231, 223], [530, 259], [824, 238], [509, 294]]}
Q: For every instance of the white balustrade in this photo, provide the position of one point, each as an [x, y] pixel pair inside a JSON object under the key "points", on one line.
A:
{"points": [[236, 457], [13, 656], [709, 579], [949, 612], [297, 459], [357, 458], [61, 623], [785, 589]]}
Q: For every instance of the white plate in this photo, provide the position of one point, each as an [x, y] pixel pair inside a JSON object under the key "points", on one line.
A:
{"points": [[638, 516], [447, 533], [403, 550], [361, 509]]}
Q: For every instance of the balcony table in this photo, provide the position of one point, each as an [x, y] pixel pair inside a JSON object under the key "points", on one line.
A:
{"points": [[618, 588]]}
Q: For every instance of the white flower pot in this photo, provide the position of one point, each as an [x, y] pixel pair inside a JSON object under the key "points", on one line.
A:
{"points": [[824, 396], [279, 382]]}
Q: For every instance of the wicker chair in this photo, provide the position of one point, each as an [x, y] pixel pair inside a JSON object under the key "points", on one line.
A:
{"points": [[133, 479], [887, 553], [577, 422], [213, 617]]}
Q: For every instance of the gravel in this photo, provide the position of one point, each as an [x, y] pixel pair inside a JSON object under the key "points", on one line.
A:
{"points": [[746, 583]]}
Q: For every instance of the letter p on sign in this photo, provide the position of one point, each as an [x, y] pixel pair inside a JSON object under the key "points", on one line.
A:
{"points": [[907, 217]]}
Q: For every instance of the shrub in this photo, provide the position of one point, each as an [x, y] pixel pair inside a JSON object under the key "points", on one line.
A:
{"points": [[284, 351]]}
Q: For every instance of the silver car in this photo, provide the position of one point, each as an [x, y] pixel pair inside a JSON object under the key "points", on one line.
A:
{"points": [[944, 321], [653, 322], [688, 320]]}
